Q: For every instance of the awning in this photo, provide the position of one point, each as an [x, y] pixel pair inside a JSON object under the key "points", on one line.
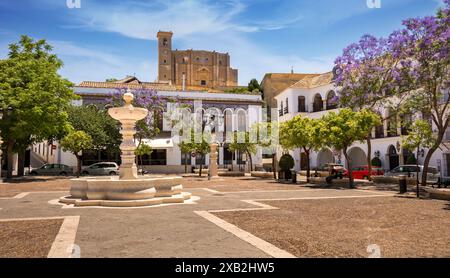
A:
{"points": [[164, 143]]}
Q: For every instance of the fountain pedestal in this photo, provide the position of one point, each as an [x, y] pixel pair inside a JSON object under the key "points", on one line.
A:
{"points": [[128, 190]]}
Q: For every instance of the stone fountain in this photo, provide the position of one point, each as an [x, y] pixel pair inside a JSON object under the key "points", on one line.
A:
{"points": [[128, 190]]}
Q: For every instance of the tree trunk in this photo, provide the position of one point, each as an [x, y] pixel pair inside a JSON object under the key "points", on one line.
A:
{"points": [[274, 166], [201, 167], [10, 160], [185, 164], [78, 165], [417, 172], [369, 156], [308, 166], [21, 163], [250, 160], [429, 155], [350, 171]]}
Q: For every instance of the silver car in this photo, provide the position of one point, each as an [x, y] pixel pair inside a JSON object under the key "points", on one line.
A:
{"points": [[101, 169], [411, 170], [53, 170]]}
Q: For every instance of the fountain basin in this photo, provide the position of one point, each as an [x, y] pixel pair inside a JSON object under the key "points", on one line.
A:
{"points": [[114, 192]]}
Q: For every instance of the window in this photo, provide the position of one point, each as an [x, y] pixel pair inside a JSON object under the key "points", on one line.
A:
{"points": [[301, 104], [186, 159], [165, 42], [165, 61], [158, 157], [286, 109], [318, 103], [203, 82], [281, 109], [331, 100]]}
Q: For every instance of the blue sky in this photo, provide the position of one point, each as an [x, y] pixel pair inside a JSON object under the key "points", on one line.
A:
{"points": [[115, 38]]}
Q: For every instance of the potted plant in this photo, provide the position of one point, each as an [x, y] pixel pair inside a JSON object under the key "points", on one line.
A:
{"points": [[286, 164]]}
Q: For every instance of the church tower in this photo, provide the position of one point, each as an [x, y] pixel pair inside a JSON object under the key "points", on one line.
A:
{"points": [[165, 56]]}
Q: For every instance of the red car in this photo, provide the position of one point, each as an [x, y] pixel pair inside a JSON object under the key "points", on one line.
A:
{"points": [[362, 172]]}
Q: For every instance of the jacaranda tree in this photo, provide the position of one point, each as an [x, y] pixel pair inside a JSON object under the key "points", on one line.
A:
{"points": [[423, 46], [367, 75]]}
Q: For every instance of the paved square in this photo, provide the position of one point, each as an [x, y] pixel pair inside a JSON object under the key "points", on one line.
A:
{"points": [[242, 218]]}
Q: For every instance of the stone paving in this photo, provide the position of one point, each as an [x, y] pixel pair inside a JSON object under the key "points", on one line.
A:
{"points": [[168, 231]]}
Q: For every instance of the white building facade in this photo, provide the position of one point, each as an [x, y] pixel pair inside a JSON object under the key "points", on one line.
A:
{"points": [[239, 113], [314, 97]]}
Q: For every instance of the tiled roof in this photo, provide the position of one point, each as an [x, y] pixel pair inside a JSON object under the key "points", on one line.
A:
{"points": [[314, 81], [113, 85]]}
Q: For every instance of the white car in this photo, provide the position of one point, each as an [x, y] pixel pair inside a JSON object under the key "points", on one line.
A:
{"points": [[410, 171], [101, 169]]}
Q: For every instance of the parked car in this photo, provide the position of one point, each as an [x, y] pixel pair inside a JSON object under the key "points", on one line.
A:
{"points": [[101, 169], [362, 172], [53, 170], [335, 169], [411, 170]]}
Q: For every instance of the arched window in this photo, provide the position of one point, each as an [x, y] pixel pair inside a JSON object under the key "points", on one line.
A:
{"points": [[301, 104], [392, 123], [379, 130], [318, 103], [242, 121], [331, 100]]}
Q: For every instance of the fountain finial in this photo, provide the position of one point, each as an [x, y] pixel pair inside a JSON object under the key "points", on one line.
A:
{"points": [[128, 97]]}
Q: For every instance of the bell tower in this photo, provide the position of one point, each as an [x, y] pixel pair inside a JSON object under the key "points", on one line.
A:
{"points": [[165, 56]]}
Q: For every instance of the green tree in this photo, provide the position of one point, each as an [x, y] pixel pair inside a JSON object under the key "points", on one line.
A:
{"points": [[141, 150], [186, 150], [76, 142], [340, 130], [420, 136], [241, 143], [254, 86], [111, 80], [267, 134], [31, 86], [196, 144], [104, 130], [303, 133]]}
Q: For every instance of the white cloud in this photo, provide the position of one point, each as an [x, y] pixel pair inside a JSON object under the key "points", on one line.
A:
{"points": [[196, 24], [84, 63]]}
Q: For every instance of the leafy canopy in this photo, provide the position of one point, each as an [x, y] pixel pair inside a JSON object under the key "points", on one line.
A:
{"points": [[76, 142], [342, 129], [38, 95]]}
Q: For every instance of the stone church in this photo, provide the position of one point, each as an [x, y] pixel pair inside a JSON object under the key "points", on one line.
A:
{"points": [[193, 68]]}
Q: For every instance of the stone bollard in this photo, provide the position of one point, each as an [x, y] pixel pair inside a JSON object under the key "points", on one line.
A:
{"points": [[402, 184]]}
